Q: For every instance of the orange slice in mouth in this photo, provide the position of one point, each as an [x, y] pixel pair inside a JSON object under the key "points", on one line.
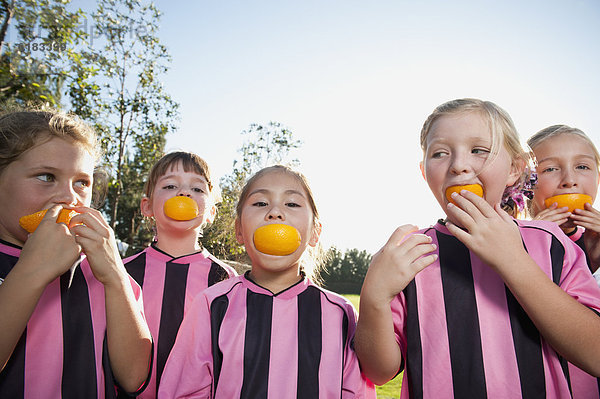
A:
{"points": [[277, 239]]}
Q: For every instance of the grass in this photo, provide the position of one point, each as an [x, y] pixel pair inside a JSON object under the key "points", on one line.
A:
{"points": [[392, 388]]}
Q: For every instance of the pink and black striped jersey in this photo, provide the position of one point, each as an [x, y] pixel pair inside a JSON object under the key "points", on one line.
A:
{"points": [[464, 335], [239, 340], [583, 385], [169, 285], [63, 351]]}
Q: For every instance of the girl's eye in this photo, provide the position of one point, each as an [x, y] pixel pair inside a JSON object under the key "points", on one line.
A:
{"points": [[437, 154], [46, 177], [292, 205], [480, 151], [583, 167], [549, 169], [197, 190], [169, 187], [83, 183], [259, 203]]}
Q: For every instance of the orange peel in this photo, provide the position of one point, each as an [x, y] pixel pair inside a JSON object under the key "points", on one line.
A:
{"points": [[277, 239], [572, 201], [181, 208], [31, 222], [474, 188]]}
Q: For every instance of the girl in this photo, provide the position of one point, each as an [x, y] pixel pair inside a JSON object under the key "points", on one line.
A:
{"points": [[174, 268], [567, 162], [271, 332], [68, 325], [479, 305]]}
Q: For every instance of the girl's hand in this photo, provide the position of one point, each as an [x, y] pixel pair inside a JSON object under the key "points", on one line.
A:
{"points": [[554, 214], [49, 251], [488, 231], [589, 218], [97, 240], [395, 265]]}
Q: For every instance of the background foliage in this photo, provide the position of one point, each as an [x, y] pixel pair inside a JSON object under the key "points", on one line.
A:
{"points": [[106, 66]]}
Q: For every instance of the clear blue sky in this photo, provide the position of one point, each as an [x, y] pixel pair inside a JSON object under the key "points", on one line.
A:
{"points": [[355, 80]]}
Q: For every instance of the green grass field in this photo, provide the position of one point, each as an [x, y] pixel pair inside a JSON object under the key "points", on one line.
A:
{"points": [[392, 388]]}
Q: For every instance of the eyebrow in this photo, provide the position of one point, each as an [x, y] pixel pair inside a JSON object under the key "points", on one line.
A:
{"points": [[199, 178], [556, 158], [265, 191]]}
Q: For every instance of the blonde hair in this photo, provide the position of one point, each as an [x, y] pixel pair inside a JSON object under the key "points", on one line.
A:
{"points": [[22, 128], [314, 258], [557, 130], [502, 129]]}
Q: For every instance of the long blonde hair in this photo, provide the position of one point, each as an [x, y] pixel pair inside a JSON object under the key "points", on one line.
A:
{"points": [[503, 133]]}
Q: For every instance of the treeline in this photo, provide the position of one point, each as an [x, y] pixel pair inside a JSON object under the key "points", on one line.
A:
{"points": [[106, 66]]}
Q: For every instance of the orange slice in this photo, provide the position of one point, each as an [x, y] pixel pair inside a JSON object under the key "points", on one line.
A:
{"points": [[573, 201], [277, 239], [181, 208], [31, 222], [474, 188]]}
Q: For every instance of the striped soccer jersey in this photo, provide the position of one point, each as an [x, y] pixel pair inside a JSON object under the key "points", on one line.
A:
{"points": [[583, 385], [63, 351], [464, 335], [169, 285], [239, 340]]}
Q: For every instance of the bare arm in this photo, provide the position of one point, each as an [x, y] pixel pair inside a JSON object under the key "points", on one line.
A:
{"points": [[128, 336], [570, 327], [391, 270]]}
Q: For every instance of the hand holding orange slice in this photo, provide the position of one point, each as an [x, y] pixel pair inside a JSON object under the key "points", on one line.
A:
{"points": [[31, 222], [572, 201], [277, 239], [474, 188], [181, 208]]}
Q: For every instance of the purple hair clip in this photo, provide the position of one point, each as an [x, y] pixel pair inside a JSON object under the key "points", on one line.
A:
{"points": [[515, 195]]}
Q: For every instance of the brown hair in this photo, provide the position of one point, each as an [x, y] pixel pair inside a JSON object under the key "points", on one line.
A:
{"points": [[190, 163], [501, 127], [23, 128], [312, 263]]}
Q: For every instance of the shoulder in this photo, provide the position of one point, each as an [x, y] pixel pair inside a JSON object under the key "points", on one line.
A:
{"points": [[135, 256], [222, 288], [542, 229], [334, 299], [219, 263]]}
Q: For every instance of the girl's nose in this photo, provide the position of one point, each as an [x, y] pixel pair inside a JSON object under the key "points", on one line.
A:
{"points": [[66, 195], [459, 165], [184, 192], [568, 180], [275, 214]]}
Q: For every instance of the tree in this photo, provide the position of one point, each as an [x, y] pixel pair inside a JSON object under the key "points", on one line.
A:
{"points": [[344, 273], [35, 66], [264, 145], [118, 88]]}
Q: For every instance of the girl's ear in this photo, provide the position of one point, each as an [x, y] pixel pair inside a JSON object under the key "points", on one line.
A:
{"points": [[146, 207], [422, 167], [315, 234], [516, 170], [238, 232]]}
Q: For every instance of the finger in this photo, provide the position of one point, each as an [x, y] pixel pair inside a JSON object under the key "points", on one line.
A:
{"points": [[420, 250], [459, 215], [424, 261], [457, 232], [481, 204], [399, 234]]}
